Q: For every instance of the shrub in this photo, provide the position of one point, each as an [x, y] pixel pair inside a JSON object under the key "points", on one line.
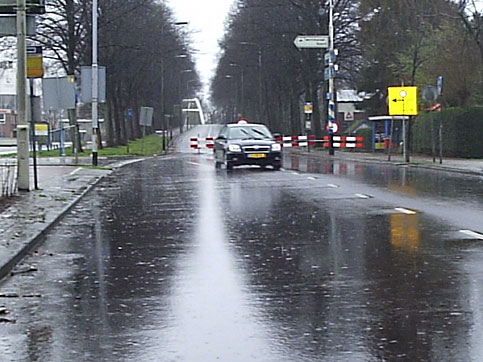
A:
{"points": [[462, 132]]}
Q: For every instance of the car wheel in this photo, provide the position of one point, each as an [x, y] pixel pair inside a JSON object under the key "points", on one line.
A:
{"points": [[217, 164], [277, 167], [229, 165]]}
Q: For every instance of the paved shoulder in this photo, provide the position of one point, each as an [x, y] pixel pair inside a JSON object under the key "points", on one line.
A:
{"points": [[33, 213]]}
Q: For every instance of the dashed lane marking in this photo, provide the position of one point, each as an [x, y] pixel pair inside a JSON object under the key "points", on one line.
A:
{"points": [[472, 234], [333, 186], [75, 171], [362, 196], [405, 211]]}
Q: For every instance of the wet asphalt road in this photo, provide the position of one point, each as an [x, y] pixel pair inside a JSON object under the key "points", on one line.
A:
{"points": [[170, 260]]}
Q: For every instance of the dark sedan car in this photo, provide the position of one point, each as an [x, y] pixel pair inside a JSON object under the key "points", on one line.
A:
{"points": [[246, 143]]}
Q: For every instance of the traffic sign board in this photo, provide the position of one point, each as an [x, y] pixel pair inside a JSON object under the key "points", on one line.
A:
{"points": [[312, 41], [403, 101], [330, 57], [35, 68], [308, 108], [332, 125]]}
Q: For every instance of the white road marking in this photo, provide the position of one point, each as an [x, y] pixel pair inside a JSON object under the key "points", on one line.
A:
{"points": [[333, 186], [472, 234], [194, 163], [75, 171], [312, 178], [362, 196], [405, 211]]}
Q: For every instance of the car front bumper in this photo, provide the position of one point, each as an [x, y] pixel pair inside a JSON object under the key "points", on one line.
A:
{"points": [[238, 159]]}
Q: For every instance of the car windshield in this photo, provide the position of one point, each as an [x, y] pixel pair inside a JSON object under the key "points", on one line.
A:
{"points": [[249, 132]]}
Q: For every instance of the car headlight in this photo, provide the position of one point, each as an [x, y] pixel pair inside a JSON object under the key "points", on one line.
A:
{"points": [[234, 148], [276, 147]]}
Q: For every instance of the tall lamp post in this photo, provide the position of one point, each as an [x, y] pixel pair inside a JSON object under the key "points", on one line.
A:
{"points": [[242, 108], [331, 103], [95, 77], [259, 75], [179, 23], [181, 91]]}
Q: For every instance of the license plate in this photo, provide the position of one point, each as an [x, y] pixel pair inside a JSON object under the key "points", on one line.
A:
{"points": [[257, 155]]}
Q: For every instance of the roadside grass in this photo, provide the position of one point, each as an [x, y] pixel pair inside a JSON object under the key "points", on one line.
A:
{"points": [[148, 146]]}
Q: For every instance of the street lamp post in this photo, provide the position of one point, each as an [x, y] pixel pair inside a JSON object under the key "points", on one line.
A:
{"points": [[331, 102], [259, 76], [242, 96], [181, 91], [179, 23], [95, 77]]}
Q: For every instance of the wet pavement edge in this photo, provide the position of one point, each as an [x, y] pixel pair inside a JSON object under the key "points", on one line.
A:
{"points": [[27, 234]]}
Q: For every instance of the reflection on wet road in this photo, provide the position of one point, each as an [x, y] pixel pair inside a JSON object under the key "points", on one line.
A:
{"points": [[170, 260]]}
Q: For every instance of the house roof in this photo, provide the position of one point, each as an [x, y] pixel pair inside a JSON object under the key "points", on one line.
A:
{"points": [[352, 96]]}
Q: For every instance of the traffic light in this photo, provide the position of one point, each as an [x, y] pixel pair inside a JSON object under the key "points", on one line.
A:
{"points": [[34, 7]]}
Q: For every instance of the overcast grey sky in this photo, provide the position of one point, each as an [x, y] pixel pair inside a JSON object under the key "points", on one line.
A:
{"points": [[206, 21]]}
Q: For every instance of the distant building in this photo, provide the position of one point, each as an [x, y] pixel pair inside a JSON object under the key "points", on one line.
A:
{"points": [[8, 123], [8, 99], [349, 107]]}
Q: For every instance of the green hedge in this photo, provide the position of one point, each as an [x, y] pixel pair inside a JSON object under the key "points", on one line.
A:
{"points": [[366, 134], [462, 132]]}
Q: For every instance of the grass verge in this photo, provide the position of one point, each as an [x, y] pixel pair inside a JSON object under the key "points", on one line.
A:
{"points": [[148, 146]]}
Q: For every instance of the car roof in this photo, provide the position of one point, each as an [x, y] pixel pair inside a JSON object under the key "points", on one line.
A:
{"points": [[244, 124]]}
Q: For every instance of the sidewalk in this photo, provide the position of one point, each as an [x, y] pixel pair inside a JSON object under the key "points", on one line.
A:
{"points": [[465, 166], [28, 216]]}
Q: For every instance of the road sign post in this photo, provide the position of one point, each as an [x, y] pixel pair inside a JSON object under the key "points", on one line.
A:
{"points": [[312, 41]]}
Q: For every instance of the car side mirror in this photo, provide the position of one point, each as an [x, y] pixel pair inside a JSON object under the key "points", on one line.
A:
{"points": [[276, 135], [223, 138]]}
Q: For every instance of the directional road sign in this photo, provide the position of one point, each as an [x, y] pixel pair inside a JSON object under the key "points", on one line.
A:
{"points": [[403, 101], [311, 41]]}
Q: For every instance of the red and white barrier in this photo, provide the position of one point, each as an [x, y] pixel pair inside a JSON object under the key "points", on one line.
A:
{"points": [[309, 141], [292, 141], [197, 143]]}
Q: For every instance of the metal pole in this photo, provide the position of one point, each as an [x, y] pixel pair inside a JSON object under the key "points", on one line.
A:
{"points": [[259, 84], [331, 103], [433, 137], [440, 140], [23, 171], [95, 76], [32, 126], [404, 139]]}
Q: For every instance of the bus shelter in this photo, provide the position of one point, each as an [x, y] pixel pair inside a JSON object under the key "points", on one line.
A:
{"points": [[388, 132]]}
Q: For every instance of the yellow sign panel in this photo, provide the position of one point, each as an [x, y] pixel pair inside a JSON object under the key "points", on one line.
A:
{"points": [[41, 129], [35, 67], [403, 101]]}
